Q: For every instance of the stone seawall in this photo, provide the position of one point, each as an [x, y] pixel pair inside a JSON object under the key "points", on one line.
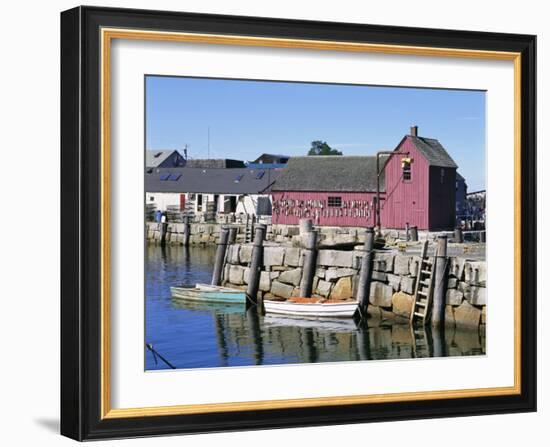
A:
{"points": [[201, 233], [336, 277], [208, 233]]}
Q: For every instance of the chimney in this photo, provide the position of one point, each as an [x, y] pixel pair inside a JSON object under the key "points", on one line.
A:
{"points": [[414, 131]]}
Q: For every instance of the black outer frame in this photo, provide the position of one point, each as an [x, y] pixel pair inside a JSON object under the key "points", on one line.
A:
{"points": [[81, 207]]}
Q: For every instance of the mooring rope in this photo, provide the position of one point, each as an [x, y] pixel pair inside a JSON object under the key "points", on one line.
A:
{"points": [[156, 354]]}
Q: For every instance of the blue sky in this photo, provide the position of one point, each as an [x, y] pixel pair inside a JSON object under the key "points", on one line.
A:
{"points": [[247, 118]]}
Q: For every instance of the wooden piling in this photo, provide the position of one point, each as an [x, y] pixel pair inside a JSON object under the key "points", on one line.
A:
{"points": [[482, 236], [310, 263], [440, 282], [163, 233], [232, 235], [365, 274], [220, 257], [256, 264], [413, 231], [186, 231], [458, 236], [306, 226]]}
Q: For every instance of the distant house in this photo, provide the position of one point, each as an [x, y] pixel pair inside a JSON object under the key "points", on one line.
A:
{"points": [[417, 187], [461, 192], [237, 190], [217, 163], [272, 158], [163, 159], [269, 161]]}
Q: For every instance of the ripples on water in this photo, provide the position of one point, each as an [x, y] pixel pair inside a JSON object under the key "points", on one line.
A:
{"points": [[192, 335]]}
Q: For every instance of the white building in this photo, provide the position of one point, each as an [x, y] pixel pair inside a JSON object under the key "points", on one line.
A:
{"points": [[225, 192]]}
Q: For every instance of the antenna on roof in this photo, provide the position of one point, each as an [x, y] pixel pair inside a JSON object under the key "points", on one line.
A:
{"points": [[185, 152]]}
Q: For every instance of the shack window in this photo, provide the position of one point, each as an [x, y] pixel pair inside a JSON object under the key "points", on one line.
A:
{"points": [[442, 177], [406, 167], [335, 201]]}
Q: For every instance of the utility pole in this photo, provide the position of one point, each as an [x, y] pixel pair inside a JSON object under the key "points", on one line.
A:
{"points": [[378, 173]]}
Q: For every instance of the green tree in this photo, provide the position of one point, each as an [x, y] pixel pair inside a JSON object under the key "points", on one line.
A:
{"points": [[322, 148]]}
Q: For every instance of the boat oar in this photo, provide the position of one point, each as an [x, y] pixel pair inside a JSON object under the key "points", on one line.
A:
{"points": [[156, 354]]}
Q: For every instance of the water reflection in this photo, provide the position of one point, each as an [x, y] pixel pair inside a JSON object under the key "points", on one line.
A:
{"points": [[197, 335]]}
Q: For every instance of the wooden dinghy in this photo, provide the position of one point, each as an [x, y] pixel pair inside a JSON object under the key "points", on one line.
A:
{"points": [[311, 307], [208, 293]]}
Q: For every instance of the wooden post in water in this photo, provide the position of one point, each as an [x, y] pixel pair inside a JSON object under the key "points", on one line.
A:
{"points": [[310, 263], [365, 274], [220, 257], [458, 236], [440, 282], [256, 264], [163, 232], [186, 231], [414, 233]]}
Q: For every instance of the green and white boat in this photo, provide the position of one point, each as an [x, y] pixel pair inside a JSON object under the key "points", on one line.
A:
{"points": [[208, 293]]}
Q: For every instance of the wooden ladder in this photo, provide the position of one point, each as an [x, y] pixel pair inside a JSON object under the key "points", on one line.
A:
{"points": [[419, 342], [423, 290]]}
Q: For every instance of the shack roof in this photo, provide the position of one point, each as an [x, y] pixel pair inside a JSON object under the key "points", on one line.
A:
{"points": [[432, 150], [331, 173], [211, 181]]}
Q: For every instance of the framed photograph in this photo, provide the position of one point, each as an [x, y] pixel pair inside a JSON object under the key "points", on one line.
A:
{"points": [[278, 223]]}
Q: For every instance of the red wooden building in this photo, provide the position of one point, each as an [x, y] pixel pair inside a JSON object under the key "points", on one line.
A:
{"points": [[416, 186]]}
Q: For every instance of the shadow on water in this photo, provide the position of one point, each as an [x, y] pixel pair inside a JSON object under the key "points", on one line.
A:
{"points": [[199, 335]]}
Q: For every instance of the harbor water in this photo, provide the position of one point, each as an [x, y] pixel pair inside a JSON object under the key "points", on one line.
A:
{"points": [[191, 335]]}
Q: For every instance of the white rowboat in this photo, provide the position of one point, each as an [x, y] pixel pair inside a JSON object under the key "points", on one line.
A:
{"points": [[344, 309]]}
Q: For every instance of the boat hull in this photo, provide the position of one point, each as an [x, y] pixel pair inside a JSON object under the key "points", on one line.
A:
{"points": [[330, 310], [209, 294]]}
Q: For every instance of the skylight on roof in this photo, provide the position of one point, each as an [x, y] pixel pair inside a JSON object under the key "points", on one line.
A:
{"points": [[239, 178], [175, 177], [164, 177], [260, 174]]}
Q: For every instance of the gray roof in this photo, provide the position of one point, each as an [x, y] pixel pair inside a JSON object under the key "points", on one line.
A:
{"points": [[211, 181], [331, 173], [155, 158], [435, 154]]}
